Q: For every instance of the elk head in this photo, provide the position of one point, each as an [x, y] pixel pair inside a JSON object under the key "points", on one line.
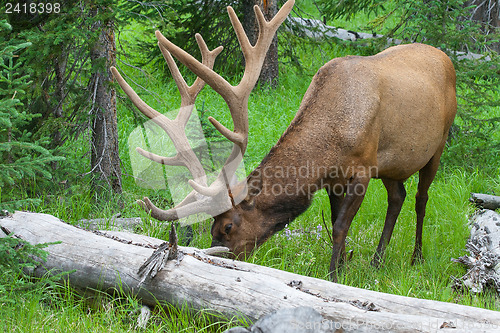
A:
{"points": [[257, 212]]}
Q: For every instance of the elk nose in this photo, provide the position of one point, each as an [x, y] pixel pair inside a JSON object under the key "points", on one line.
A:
{"points": [[216, 243]]}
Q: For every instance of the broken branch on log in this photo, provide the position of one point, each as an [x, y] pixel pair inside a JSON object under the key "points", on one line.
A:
{"points": [[166, 251]]}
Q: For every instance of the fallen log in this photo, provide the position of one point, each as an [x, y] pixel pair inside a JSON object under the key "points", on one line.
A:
{"points": [[111, 223], [231, 287], [485, 201], [316, 29]]}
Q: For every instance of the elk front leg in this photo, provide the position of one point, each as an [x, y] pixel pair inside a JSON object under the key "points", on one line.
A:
{"points": [[396, 195], [335, 204], [354, 195], [426, 176]]}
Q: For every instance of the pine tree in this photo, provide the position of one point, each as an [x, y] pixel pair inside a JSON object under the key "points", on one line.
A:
{"points": [[20, 157]]}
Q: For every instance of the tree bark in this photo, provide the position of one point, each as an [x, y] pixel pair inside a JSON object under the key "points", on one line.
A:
{"points": [[231, 287], [270, 69], [105, 159], [60, 63]]}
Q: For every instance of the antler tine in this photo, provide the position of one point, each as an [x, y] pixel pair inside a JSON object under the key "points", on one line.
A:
{"points": [[275, 22], [192, 204], [161, 214], [187, 96], [207, 56], [201, 70], [266, 30], [189, 93]]}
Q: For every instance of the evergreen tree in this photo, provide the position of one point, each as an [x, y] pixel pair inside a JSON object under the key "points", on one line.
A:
{"points": [[21, 158], [72, 88], [71, 82]]}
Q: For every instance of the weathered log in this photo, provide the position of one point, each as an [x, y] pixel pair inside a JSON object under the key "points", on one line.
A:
{"points": [[231, 287], [290, 320], [316, 29], [485, 201], [483, 261], [109, 223]]}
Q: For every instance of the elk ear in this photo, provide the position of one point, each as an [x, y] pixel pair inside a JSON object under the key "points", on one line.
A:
{"points": [[237, 192]]}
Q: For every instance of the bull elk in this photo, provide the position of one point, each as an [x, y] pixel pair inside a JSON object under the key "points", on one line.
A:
{"points": [[385, 116]]}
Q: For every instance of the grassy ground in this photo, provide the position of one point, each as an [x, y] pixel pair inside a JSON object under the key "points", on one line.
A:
{"points": [[306, 251], [302, 248]]}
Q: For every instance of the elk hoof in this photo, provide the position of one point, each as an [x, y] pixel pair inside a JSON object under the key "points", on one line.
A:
{"points": [[417, 257], [333, 276], [376, 261]]}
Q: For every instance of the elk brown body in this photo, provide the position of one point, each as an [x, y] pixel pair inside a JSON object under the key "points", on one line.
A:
{"points": [[385, 116]]}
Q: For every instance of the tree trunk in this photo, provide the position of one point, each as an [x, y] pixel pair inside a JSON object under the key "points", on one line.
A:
{"points": [[270, 71], [60, 63], [105, 159], [231, 287]]}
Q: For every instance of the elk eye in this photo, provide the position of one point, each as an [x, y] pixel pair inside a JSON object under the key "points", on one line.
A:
{"points": [[227, 229]]}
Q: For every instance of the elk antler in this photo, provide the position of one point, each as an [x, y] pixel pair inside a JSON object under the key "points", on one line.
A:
{"points": [[174, 128], [236, 97], [211, 199]]}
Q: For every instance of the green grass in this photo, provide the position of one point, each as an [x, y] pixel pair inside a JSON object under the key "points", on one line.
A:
{"points": [[307, 252], [61, 309]]}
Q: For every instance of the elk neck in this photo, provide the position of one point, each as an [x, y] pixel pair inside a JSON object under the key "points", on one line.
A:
{"points": [[290, 174]]}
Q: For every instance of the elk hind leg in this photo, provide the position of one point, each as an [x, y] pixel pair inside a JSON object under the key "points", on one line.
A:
{"points": [[426, 176], [396, 195]]}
